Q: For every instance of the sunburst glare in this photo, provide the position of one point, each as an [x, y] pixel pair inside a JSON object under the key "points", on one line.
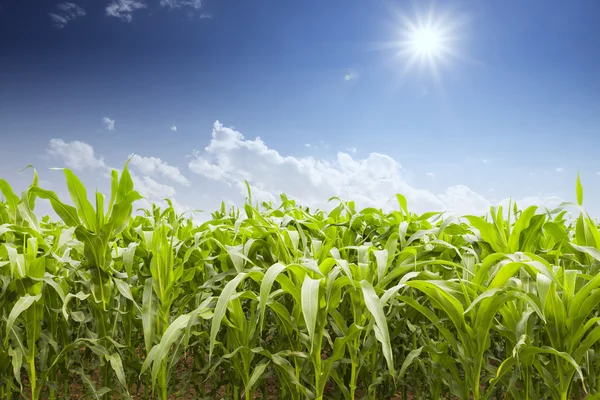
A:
{"points": [[428, 40]]}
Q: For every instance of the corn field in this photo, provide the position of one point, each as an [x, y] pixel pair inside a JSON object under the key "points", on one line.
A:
{"points": [[281, 302]]}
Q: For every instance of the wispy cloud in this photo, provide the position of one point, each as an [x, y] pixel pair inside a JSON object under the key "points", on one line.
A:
{"points": [[322, 145], [174, 128], [66, 12], [195, 4], [109, 123], [350, 76], [124, 9], [430, 174], [559, 169]]}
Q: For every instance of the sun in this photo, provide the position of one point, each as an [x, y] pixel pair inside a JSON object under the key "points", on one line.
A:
{"points": [[428, 40]]}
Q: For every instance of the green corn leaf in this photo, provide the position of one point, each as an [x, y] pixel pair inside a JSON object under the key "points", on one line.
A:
{"points": [[78, 194], [375, 308], [221, 306], [310, 305], [22, 304]]}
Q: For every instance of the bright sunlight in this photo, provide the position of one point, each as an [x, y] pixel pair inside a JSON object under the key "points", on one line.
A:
{"points": [[427, 40]]}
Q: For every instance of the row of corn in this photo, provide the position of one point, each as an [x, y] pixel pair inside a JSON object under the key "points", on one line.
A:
{"points": [[283, 302]]}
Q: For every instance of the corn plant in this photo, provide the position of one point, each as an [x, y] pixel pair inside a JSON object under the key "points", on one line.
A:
{"points": [[276, 300]]}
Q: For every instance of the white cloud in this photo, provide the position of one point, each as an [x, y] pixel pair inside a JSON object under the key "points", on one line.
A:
{"points": [[152, 189], [484, 161], [195, 4], [430, 174], [462, 200], [124, 9], [66, 12], [204, 167], [559, 169], [174, 128], [75, 155], [372, 181], [351, 150], [80, 156], [548, 202], [350, 76], [155, 166], [109, 123], [229, 159]]}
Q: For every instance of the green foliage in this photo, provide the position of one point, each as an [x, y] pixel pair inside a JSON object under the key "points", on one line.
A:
{"points": [[282, 302]]}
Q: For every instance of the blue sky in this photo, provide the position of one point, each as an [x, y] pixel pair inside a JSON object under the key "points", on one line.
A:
{"points": [[514, 111]]}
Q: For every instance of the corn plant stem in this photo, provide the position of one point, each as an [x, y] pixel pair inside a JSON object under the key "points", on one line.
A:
{"points": [[317, 349], [564, 391], [103, 334], [353, 378], [32, 376], [374, 371], [477, 377], [32, 316], [527, 383], [162, 381], [197, 367]]}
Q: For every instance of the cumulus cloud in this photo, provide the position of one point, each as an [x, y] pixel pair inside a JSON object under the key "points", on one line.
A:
{"points": [[173, 128], [109, 123], [372, 181], [124, 9], [549, 202], [75, 155], [80, 156], [65, 13], [462, 200], [155, 166], [195, 4], [152, 189]]}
